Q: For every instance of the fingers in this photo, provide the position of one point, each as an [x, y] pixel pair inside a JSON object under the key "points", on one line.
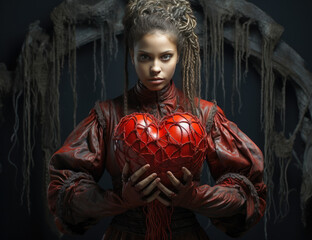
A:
{"points": [[175, 182], [187, 176], [153, 197], [149, 188], [159, 198], [137, 174], [163, 201], [165, 190], [125, 172]]}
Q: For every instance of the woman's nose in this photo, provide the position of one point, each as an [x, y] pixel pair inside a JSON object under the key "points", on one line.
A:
{"points": [[155, 68]]}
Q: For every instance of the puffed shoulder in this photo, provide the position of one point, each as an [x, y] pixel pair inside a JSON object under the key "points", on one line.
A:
{"points": [[108, 112], [209, 105], [207, 112]]}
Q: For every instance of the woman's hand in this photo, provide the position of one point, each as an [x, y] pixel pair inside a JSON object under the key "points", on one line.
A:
{"points": [[184, 191], [210, 201], [136, 193]]}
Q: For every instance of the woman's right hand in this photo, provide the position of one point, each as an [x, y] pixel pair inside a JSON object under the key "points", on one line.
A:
{"points": [[137, 193]]}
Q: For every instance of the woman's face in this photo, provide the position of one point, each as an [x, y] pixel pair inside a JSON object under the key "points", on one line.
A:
{"points": [[155, 57]]}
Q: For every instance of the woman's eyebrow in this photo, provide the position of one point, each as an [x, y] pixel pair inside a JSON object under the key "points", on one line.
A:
{"points": [[167, 51], [143, 51]]}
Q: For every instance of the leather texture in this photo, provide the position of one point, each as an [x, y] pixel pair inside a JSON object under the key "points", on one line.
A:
{"points": [[177, 140], [235, 203]]}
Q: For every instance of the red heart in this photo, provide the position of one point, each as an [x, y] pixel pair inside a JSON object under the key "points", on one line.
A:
{"points": [[176, 140]]}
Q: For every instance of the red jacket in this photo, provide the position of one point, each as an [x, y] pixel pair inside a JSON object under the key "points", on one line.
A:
{"points": [[235, 203]]}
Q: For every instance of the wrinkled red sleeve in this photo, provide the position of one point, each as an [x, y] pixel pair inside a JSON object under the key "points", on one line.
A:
{"points": [[236, 163], [75, 199]]}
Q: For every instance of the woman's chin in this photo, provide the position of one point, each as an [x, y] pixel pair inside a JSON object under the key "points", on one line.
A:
{"points": [[155, 88], [155, 85]]}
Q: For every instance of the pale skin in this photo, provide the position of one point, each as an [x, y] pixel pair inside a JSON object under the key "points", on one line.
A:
{"points": [[155, 57]]}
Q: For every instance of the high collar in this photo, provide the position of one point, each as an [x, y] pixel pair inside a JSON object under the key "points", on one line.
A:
{"points": [[146, 96]]}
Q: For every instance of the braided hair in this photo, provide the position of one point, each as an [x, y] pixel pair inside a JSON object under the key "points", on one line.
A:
{"points": [[176, 18]]}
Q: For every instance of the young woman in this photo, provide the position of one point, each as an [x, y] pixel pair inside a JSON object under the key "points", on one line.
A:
{"points": [[158, 34]]}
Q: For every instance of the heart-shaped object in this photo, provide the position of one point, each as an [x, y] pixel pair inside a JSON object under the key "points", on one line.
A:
{"points": [[177, 140]]}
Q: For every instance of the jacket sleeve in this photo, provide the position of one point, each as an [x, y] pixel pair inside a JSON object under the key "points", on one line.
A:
{"points": [[236, 164], [75, 199]]}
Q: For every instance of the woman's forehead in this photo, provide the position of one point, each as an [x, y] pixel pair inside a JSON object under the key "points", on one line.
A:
{"points": [[156, 41]]}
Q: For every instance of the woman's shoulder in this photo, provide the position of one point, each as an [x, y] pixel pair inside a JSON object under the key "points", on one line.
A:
{"points": [[208, 106], [110, 104], [108, 111], [207, 112]]}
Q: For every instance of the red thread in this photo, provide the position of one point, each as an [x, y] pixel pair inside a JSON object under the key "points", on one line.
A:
{"points": [[158, 219], [178, 140]]}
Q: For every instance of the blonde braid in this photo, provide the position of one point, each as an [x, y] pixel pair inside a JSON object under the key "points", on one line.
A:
{"points": [[191, 57]]}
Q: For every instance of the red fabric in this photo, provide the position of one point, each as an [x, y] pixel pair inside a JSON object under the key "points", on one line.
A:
{"points": [[235, 162]]}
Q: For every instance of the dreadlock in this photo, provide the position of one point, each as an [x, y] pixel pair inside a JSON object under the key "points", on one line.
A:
{"points": [[174, 17]]}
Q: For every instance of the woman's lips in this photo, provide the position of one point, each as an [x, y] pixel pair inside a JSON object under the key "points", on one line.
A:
{"points": [[156, 80]]}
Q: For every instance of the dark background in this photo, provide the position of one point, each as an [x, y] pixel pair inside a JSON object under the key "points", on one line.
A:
{"points": [[15, 17]]}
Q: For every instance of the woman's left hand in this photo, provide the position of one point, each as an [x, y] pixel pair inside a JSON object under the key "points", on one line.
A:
{"points": [[184, 191]]}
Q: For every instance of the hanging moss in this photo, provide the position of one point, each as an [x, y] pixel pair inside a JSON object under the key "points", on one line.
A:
{"points": [[277, 148]]}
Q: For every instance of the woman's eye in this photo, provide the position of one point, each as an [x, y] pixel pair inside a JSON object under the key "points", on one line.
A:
{"points": [[166, 57], [143, 57]]}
